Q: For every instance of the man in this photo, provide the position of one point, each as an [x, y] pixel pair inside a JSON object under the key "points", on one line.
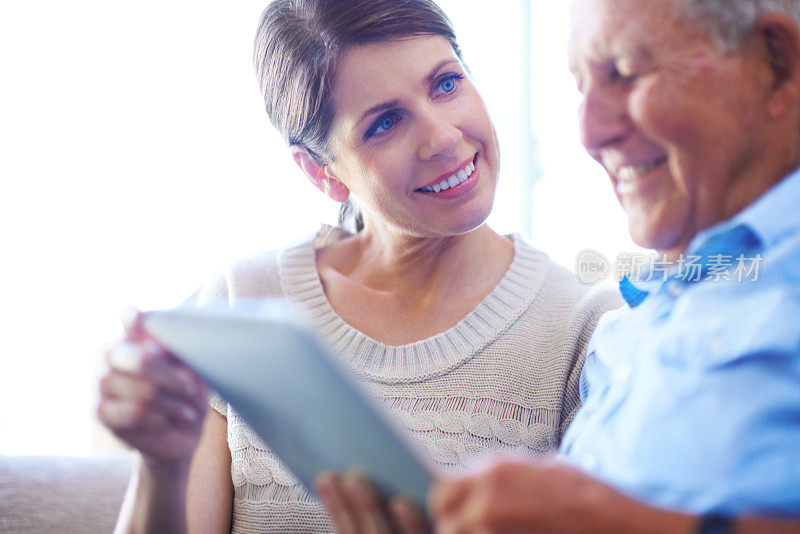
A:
{"points": [[691, 415]]}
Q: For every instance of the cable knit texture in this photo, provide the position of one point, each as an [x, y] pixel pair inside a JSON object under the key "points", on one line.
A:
{"points": [[504, 380]]}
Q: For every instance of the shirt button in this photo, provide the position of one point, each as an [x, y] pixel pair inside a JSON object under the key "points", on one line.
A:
{"points": [[716, 346], [623, 373]]}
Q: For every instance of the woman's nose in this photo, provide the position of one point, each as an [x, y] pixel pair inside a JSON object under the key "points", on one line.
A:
{"points": [[438, 135]]}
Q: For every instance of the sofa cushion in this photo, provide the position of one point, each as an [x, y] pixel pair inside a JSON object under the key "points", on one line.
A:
{"points": [[47, 494]]}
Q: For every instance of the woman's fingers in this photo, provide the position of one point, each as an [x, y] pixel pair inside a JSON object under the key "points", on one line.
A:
{"points": [[131, 319], [126, 416], [145, 387], [143, 397], [149, 399], [147, 361], [139, 353], [368, 509], [354, 505]]}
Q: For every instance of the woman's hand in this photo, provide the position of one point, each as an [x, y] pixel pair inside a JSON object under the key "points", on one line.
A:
{"points": [[150, 400], [357, 508]]}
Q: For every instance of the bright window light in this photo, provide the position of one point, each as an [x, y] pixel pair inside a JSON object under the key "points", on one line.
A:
{"points": [[137, 160]]}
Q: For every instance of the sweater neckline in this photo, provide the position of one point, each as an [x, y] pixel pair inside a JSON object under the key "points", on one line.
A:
{"points": [[421, 359]]}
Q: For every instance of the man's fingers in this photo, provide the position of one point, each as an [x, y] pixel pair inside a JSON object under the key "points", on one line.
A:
{"points": [[408, 517], [448, 494]]}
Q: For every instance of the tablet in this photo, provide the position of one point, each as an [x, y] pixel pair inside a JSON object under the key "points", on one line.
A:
{"points": [[280, 377]]}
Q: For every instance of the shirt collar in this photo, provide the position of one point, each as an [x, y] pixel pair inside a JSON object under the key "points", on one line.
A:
{"points": [[771, 217], [761, 225], [634, 294]]}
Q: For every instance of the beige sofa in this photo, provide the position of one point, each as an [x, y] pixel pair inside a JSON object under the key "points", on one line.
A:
{"points": [[63, 495]]}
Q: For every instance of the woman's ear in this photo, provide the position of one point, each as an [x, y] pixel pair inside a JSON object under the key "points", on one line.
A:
{"points": [[781, 37], [319, 174]]}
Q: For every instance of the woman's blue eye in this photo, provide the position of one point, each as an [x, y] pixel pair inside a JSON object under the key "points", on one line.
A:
{"points": [[448, 84], [384, 123], [444, 86]]}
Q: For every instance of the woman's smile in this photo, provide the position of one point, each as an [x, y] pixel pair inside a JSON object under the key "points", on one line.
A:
{"points": [[451, 185]]}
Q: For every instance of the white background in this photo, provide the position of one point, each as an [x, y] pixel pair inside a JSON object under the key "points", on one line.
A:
{"points": [[136, 160]]}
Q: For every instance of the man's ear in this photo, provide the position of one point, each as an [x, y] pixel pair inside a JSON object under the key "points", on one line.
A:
{"points": [[781, 36], [319, 174]]}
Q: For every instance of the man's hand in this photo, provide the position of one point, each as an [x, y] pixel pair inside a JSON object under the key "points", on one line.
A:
{"points": [[547, 496]]}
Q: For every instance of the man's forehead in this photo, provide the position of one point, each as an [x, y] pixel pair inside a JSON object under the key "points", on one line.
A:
{"points": [[601, 28], [654, 7]]}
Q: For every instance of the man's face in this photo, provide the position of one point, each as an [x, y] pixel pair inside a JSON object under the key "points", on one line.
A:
{"points": [[677, 124]]}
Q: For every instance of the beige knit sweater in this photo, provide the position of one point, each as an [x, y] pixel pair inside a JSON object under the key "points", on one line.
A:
{"points": [[503, 380]]}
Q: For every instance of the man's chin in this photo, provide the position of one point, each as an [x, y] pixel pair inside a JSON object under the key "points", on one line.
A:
{"points": [[653, 236]]}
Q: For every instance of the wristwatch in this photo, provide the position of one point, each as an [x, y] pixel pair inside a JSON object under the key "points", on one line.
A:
{"points": [[714, 523]]}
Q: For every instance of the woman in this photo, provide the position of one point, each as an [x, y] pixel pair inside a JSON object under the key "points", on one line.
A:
{"points": [[473, 340]]}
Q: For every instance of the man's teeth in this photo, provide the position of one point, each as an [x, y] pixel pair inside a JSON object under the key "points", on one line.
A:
{"points": [[632, 172], [453, 180]]}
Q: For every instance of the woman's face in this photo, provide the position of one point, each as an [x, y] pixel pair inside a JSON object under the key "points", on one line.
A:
{"points": [[409, 128]]}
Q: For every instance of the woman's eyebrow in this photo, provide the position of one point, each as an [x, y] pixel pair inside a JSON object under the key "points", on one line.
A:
{"points": [[375, 109], [437, 68], [394, 103]]}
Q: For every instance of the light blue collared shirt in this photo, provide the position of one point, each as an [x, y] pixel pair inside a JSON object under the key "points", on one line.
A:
{"points": [[691, 397]]}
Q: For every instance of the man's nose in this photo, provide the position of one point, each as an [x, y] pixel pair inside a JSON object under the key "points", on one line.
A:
{"points": [[604, 118], [439, 136]]}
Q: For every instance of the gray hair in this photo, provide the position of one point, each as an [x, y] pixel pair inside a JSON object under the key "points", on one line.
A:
{"points": [[731, 22]]}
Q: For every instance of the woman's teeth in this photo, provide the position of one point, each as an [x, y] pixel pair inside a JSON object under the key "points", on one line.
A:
{"points": [[452, 181]]}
